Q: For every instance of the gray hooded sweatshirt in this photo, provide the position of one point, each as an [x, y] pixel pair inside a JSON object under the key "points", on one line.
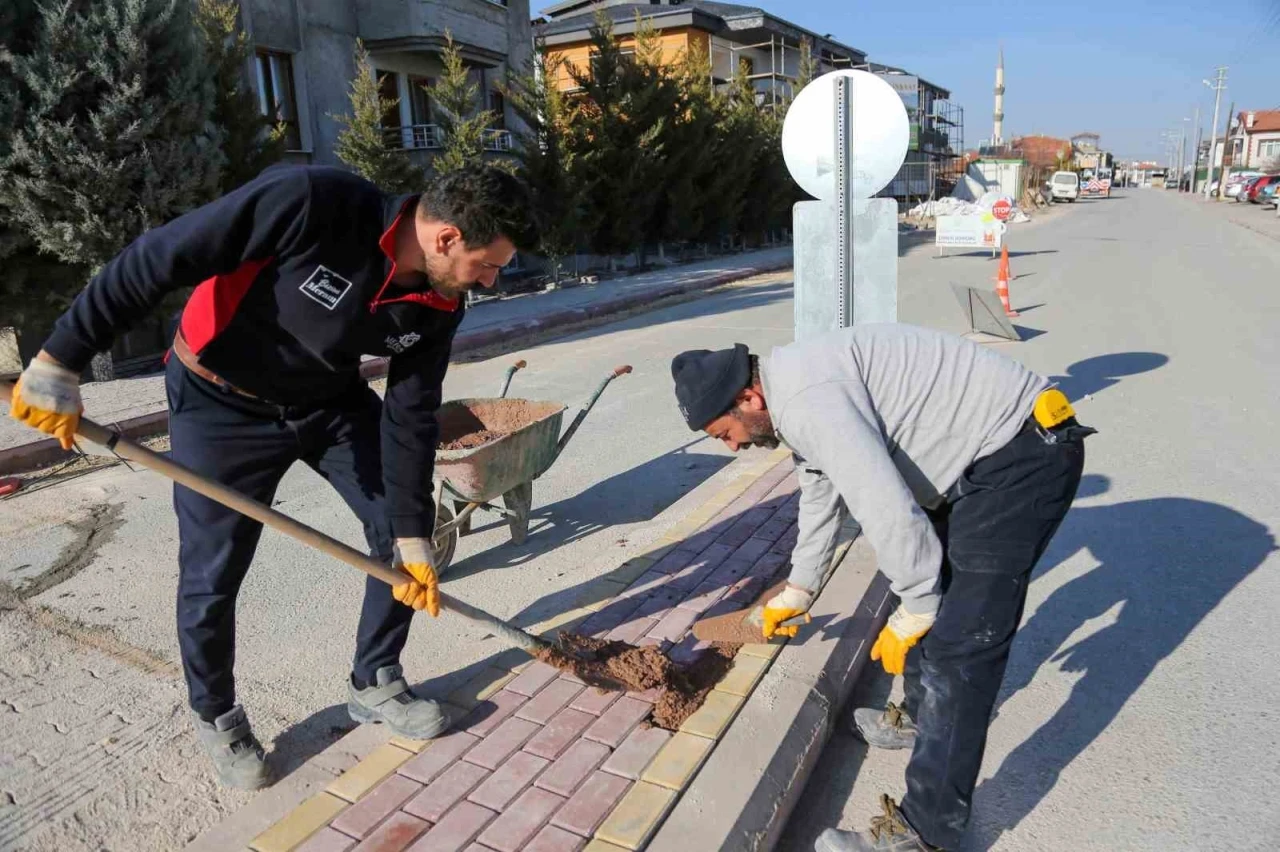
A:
{"points": [[883, 419]]}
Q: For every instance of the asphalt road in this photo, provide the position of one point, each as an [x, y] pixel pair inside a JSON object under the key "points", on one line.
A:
{"points": [[1139, 710]]}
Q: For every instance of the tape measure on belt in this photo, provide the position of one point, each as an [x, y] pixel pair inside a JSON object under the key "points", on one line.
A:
{"points": [[1052, 409]]}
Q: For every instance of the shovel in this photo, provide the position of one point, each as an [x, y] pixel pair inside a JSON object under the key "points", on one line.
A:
{"points": [[232, 499]]}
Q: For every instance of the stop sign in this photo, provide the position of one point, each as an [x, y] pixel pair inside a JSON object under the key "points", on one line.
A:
{"points": [[1002, 209]]}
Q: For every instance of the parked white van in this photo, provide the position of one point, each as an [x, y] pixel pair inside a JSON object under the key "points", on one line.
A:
{"points": [[1064, 185]]}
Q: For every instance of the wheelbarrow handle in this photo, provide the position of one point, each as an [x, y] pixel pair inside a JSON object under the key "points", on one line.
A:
{"points": [[232, 499], [622, 370], [511, 371]]}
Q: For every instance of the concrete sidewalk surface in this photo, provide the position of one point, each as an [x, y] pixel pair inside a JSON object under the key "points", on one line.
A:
{"points": [[137, 407]]}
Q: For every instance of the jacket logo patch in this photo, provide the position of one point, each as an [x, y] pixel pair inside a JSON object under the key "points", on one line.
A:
{"points": [[403, 342], [326, 287]]}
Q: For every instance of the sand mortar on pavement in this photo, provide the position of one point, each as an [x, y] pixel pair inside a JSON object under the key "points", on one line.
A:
{"points": [[606, 664]]}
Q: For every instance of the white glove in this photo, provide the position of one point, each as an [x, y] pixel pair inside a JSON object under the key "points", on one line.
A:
{"points": [[47, 398], [413, 551], [784, 606]]}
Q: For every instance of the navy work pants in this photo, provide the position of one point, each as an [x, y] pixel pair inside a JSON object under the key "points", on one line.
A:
{"points": [[996, 523], [249, 445]]}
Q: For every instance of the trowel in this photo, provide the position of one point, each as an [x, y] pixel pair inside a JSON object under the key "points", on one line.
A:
{"points": [[744, 625]]}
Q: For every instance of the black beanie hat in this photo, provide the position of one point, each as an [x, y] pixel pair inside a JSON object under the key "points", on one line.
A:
{"points": [[707, 382]]}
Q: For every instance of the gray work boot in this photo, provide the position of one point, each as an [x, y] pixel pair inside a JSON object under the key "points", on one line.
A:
{"points": [[236, 752], [890, 832], [389, 701], [890, 729]]}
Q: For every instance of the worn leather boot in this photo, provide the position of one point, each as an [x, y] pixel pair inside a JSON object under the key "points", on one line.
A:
{"points": [[890, 729], [890, 832], [237, 755], [390, 702]]}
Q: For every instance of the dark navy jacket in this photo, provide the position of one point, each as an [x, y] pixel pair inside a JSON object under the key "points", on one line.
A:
{"points": [[293, 285]]}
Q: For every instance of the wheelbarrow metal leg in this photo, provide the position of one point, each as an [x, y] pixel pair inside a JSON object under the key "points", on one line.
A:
{"points": [[463, 516], [519, 501]]}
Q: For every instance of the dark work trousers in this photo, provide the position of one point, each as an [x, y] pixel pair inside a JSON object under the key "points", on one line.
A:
{"points": [[248, 445], [997, 521]]}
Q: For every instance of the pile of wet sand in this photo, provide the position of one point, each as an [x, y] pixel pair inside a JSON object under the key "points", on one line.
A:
{"points": [[465, 425], [616, 665]]}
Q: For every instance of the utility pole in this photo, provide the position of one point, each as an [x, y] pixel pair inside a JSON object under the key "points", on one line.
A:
{"points": [[1195, 154], [1219, 83]]}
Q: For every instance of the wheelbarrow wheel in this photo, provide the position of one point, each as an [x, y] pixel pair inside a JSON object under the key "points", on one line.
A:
{"points": [[519, 500], [443, 546]]}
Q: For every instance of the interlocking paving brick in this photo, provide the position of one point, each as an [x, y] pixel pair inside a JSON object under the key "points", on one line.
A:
{"points": [[612, 614], [752, 549], [492, 712], [486, 683], [678, 760], [633, 821], [552, 839], [362, 817], [598, 845], [705, 596], [476, 847], [768, 566], [556, 735], [658, 604], [327, 840], [499, 745], [362, 777], [433, 802], [299, 824], [532, 679], [674, 561], [630, 758], [767, 651], [773, 530], [509, 781], [436, 759], [787, 543], [563, 776], [415, 746], [714, 715], [615, 723], [588, 807], [395, 834], [630, 631], [673, 625], [744, 675], [458, 828], [549, 701], [521, 821], [730, 571], [645, 584], [650, 695]]}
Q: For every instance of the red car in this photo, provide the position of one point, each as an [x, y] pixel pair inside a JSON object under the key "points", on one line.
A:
{"points": [[1258, 185]]}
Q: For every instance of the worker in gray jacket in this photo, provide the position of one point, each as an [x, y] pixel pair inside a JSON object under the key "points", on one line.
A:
{"points": [[959, 464]]}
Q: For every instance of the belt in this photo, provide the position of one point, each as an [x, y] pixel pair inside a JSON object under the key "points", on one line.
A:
{"points": [[191, 361]]}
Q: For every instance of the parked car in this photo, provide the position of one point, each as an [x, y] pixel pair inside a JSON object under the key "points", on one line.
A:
{"points": [[1243, 194], [1260, 184], [1237, 182], [1065, 186], [1267, 195]]}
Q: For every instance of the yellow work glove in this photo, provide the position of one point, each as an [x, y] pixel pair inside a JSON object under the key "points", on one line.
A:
{"points": [[784, 606], [413, 557], [47, 397], [899, 636]]}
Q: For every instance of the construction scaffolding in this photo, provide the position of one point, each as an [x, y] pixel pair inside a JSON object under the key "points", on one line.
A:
{"points": [[772, 66]]}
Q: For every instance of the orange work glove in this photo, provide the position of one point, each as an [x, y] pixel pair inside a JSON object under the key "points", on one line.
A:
{"points": [[784, 606], [47, 397], [413, 557], [900, 635]]}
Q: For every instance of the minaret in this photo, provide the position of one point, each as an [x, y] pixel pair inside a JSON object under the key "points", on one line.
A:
{"points": [[997, 132]]}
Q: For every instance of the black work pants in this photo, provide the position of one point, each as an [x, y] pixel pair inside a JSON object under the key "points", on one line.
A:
{"points": [[249, 445], [996, 523]]}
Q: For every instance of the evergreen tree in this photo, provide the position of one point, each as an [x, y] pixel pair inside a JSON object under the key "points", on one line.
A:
{"points": [[250, 142], [455, 98], [547, 153], [808, 69], [693, 159], [109, 130], [362, 143]]}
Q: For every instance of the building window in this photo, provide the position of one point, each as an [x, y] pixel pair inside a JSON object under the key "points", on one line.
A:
{"points": [[389, 93], [498, 106], [277, 97], [1269, 148]]}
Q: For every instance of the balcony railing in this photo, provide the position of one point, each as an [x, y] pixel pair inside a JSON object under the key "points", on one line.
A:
{"points": [[414, 137], [497, 140]]}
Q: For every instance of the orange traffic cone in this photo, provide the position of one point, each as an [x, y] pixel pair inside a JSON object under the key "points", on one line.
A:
{"points": [[1002, 284]]}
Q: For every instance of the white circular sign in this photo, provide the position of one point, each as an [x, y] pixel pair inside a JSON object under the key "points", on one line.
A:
{"points": [[881, 134]]}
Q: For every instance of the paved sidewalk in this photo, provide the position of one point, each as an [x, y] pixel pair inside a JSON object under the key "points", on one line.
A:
{"points": [[485, 325], [540, 762]]}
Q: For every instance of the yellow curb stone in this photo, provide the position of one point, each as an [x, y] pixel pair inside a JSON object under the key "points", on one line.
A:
{"points": [[764, 651], [299, 824], [362, 777], [600, 593], [415, 746], [675, 764], [744, 675], [631, 570], [634, 819], [598, 845], [561, 621], [714, 715], [480, 687]]}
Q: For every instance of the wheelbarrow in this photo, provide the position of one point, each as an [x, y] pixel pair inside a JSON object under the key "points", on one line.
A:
{"points": [[499, 446]]}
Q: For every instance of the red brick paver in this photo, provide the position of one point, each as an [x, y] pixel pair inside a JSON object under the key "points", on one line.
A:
{"points": [[587, 808], [446, 791], [509, 781], [456, 830], [395, 834], [521, 821], [563, 777], [379, 803]]}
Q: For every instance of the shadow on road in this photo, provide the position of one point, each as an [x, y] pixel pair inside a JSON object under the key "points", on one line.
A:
{"points": [[1094, 375], [1166, 563]]}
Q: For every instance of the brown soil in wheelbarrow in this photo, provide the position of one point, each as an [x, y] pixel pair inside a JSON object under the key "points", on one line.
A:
{"points": [[616, 665], [465, 427]]}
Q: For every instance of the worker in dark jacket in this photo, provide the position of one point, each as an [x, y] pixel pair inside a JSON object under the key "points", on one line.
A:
{"points": [[297, 275]]}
